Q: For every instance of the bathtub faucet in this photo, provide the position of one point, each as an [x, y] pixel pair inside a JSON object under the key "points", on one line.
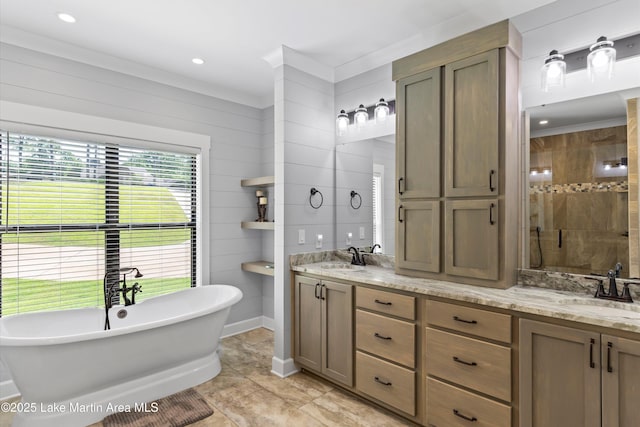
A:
{"points": [[112, 291]]}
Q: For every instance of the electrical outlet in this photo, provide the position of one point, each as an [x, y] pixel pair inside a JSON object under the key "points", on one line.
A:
{"points": [[301, 237], [349, 236], [361, 233], [319, 241]]}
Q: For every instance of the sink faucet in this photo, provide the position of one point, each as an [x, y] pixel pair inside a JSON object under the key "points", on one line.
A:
{"points": [[356, 259], [612, 293], [373, 248]]}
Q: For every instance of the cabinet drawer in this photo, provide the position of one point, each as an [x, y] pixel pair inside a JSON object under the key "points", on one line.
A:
{"points": [[386, 302], [448, 406], [485, 324], [469, 362], [386, 337], [386, 382]]}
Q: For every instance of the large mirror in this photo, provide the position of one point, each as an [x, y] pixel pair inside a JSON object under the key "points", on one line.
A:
{"points": [[365, 194], [578, 201]]}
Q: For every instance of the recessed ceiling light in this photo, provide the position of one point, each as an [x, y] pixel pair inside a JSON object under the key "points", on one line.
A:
{"points": [[66, 17], [544, 122], [198, 61]]}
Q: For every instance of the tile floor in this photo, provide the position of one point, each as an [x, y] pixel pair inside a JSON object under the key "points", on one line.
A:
{"points": [[245, 393]]}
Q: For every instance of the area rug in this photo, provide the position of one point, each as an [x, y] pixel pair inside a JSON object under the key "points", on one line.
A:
{"points": [[177, 410]]}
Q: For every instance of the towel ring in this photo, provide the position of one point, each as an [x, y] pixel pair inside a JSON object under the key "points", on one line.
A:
{"points": [[359, 202], [315, 191]]}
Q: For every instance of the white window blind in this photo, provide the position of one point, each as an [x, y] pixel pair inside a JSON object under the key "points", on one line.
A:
{"points": [[72, 210], [377, 204]]}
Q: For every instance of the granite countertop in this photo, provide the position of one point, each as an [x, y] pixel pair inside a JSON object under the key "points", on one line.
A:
{"points": [[560, 304]]}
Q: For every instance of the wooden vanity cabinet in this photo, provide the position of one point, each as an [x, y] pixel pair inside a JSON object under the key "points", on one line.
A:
{"points": [[457, 150], [467, 366], [576, 377], [323, 327], [386, 343]]}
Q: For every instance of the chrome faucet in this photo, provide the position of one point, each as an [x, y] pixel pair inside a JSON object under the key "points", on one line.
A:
{"points": [[356, 259]]}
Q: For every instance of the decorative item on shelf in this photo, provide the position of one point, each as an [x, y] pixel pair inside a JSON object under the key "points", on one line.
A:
{"points": [[313, 192], [262, 206], [358, 200], [599, 60], [360, 116]]}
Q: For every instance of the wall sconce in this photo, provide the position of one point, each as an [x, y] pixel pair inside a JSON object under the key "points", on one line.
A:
{"points": [[342, 122], [598, 59], [362, 115], [553, 71], [610, 164], [381, 111], [601, 58], [545, 170]]}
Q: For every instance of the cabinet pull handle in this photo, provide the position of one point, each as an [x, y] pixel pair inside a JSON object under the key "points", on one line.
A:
{"points": [[609, 367], [399, 214], [315, 291], [400, 185], [560, 238], [491, 221], [378, 380], [591, 364], [382, 337], [377, 301], [457, 319], [491, 187], [322, 293], [456, 359], [458, 414]]}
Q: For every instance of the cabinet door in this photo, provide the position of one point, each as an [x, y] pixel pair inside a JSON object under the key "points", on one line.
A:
{"points": [[471, 233], [559, 376], [620, 382], [471, 126], [418, 236], [337, 339], [308, 323], [418, 135]]}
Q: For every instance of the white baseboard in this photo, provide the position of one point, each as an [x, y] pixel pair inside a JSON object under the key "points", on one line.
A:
{"points": [[283, 368], [247, 325], [8, 390]]}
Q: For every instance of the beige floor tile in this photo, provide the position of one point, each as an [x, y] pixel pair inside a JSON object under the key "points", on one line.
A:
{"points": [[340, 409], [218, 419], [298, 389], [262, 409]]}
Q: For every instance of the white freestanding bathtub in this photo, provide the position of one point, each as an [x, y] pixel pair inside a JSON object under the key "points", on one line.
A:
{"points": [[71, 372]]}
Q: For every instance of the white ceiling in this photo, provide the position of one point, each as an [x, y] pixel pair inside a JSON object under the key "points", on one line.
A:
{"points": [[156, 39]]}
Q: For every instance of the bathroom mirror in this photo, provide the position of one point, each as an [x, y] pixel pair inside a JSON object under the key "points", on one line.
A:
{"points": [[578, 201], [365, 197]]}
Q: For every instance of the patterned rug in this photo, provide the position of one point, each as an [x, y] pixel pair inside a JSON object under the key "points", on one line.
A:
{"points": [[177, 410]]}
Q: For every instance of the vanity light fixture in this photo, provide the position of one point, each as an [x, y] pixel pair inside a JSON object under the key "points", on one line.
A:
{"points": [[610, 164], [382, 111], [553, 71], [544, 170], [361, 116], [65, 17], [601, 58], [198, 61], [342, 122]]}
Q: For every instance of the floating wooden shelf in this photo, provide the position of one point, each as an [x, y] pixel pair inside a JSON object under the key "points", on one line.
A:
{"points": [[259, 267], [255, 225], [261, 181]]}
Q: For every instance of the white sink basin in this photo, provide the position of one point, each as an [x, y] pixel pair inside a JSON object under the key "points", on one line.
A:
{"points": [[604, 307], [341, 266]]}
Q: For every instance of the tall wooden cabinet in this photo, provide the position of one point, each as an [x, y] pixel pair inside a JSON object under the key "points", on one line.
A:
{"points": [[574, 377], [324, 327], [457, 158]]}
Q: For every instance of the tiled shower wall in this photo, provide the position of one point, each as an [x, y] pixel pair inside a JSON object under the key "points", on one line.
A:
{"points": [[579, 208]]}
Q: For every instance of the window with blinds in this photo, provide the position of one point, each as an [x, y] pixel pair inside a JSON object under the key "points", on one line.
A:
{"points": [[73, 210]]}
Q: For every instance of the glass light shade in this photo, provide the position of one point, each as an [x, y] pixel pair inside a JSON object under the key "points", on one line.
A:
{"points": [[382, 111], [601, 59], [342, 123], [361, 116], [553, 71]]}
